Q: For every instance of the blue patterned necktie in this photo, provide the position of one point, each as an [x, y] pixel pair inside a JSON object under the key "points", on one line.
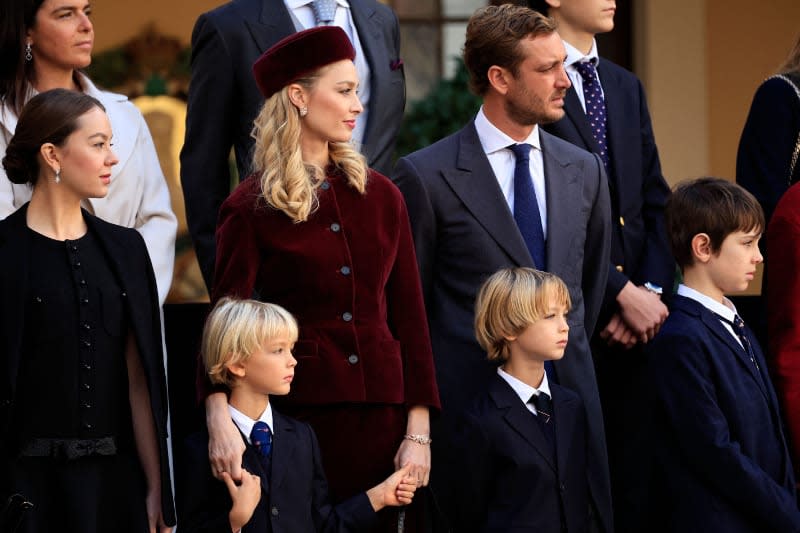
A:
{"points": [[595, 106], [526, 208], [261, 437], [324, 11]]}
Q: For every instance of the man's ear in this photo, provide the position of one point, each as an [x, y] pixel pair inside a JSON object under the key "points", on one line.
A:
{"points": [[701, 247], [499, 78]]}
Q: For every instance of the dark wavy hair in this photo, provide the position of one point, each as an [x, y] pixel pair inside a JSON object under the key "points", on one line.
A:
{"points": [[49, 117], [16, 73]]}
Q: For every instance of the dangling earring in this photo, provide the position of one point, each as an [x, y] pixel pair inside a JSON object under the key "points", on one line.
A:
{"points": [[303, 111], [28, 54], [58, 176]]}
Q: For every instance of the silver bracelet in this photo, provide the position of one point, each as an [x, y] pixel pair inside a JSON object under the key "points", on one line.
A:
{"points": [[419, 439]]}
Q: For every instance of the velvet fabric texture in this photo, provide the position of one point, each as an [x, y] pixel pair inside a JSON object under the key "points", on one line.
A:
{"points": [[349, 276], [298, 54]]}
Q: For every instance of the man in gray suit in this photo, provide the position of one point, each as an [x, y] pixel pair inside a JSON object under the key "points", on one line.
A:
{"points": [[472, 198], [224, 99]]}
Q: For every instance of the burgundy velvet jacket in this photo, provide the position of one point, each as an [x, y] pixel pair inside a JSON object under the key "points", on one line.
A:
{"points": [[349, 276], [783, 311]]}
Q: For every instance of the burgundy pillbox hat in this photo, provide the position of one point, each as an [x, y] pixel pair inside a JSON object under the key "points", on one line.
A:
{"points": [[298, 54]]}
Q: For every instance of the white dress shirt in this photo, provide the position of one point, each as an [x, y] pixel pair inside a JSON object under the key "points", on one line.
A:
{"points": [[525, 391], [304, 15], [495, 145]]}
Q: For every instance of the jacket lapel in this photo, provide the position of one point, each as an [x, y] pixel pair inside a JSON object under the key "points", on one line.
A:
{"points": [[268, 25], [252, 464], [284, 443], [576, 115], [564, 409], [474, 182], [562, 189], [369, 34], [617, 102], [519, 418]]}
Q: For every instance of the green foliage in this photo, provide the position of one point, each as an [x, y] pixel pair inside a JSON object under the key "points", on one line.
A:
{"points": [[446, 109]]}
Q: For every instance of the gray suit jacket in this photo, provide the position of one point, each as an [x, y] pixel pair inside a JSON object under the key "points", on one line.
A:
{"points": [[464, 232], [224, 100]]}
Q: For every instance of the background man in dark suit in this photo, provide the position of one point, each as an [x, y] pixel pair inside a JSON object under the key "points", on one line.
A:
{"points": [[224, 99], [606, 113], [465, 214]]}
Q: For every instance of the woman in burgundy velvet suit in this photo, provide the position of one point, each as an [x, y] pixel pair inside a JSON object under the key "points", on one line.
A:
{"points": [[316, 231]]}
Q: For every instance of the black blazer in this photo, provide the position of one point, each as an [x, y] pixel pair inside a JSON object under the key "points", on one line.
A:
{"points": [[722, 460], [130, 262], [297, 500], [224, 100], [506, 479], [638, 191], [464, 232]]}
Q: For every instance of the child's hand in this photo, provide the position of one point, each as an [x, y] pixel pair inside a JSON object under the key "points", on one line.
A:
{"points": [[397, 489], [245, 498]]}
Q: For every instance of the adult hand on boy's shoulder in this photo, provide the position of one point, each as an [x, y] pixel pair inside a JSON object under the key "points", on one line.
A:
{"points": [[642, 310], [245, 498]]}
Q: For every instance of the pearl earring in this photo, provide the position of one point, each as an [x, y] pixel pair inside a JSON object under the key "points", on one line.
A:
{"points": [[58, 176]]}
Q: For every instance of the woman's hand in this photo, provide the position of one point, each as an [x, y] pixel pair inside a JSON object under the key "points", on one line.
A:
{"points": [[416, 456], [225, 444]]}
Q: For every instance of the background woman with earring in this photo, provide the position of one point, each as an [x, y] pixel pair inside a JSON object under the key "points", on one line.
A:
{"points": [[43, 45], [316, 231], [84, 409]]}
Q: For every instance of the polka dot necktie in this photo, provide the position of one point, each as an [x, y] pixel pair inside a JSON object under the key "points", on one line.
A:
{"points": [[595, 106], [324, 11]]}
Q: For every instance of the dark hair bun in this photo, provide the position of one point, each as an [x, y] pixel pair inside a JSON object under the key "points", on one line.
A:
{"points": [[18, 164]]}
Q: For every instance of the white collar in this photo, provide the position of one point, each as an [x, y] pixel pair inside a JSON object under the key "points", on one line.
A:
{"points": [[726, 310], [523, 390], [494, 140], [294, 4], [245, 423], [576, 56]]}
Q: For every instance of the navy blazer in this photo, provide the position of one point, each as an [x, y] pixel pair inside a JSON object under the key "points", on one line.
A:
{"points": [[639, 248], [128, 259], [224, 100], [722, 464], [505, 477], [464, 232], [297, 498]]}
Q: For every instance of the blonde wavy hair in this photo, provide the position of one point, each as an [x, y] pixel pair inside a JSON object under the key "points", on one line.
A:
{"points": [[288, 183], [511, 300], [236, 329]]}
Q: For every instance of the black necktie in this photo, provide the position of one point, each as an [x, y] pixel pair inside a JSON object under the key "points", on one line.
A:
{"points": [[544, 416], [526, 208]]}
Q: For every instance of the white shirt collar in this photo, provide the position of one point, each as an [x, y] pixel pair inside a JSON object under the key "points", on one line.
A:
{"points": [[576, 56], [494, 140], [726, 310], [245, 423], [523, 390]]}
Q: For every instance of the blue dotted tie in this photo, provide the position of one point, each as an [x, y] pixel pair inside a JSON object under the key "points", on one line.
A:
{"points": [[324, 11], [526, 208], [595, 106], [261, 437]]}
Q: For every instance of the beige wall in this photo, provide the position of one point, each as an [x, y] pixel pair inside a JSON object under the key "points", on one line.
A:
{"points": [[116, 21]]}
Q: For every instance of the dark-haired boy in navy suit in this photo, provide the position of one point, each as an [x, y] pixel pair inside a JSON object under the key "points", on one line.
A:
{"points": [[519, 454], [722, 464], [247, 346]]}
